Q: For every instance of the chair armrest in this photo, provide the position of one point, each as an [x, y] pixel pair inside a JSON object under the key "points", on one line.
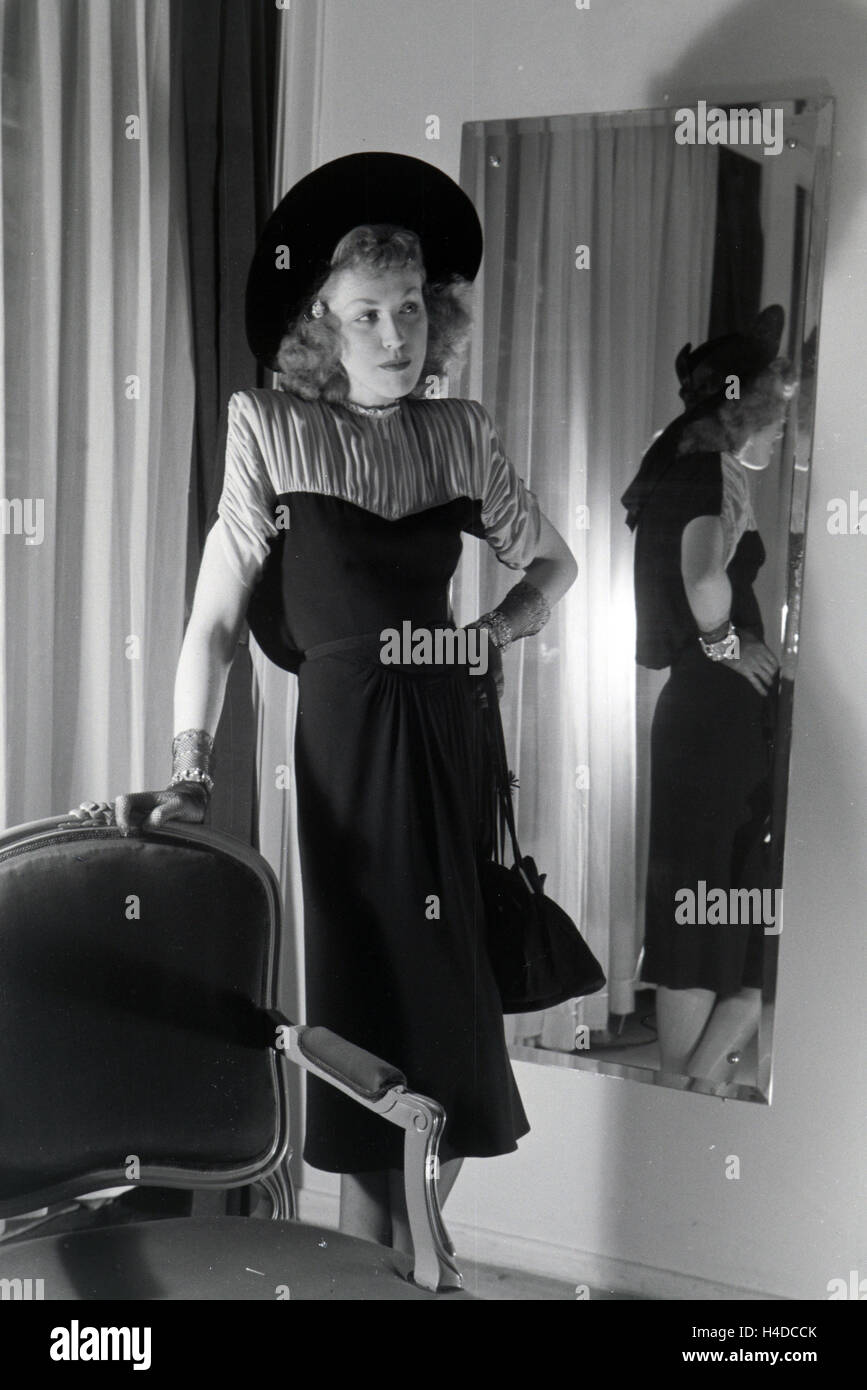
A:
{"points": [[367, 1076], [380, 1087]]}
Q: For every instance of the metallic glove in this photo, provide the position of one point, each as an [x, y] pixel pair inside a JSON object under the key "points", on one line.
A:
{"points": [[523, 612], [193, 760], [185, 798]]}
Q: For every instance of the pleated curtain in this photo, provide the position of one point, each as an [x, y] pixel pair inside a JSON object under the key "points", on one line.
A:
{"points": [[97, 409], [225, 71]]}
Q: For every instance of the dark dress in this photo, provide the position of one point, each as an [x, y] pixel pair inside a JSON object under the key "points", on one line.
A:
{"points": [[385, 755], [710, 740]]}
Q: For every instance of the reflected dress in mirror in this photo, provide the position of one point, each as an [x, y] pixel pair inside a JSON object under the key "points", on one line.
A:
{"points": [[709, 899]]}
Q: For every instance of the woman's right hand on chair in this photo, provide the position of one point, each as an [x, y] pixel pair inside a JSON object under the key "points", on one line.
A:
{"points": [[146, 810], [149, 810]]}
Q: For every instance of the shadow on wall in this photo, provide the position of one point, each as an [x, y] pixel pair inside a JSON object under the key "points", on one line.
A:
{"points": [[777, 48], [771, 49]]}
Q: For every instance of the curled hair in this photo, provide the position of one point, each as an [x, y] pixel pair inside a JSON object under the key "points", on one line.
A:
{"points": [[309, 353], [731, 423]]}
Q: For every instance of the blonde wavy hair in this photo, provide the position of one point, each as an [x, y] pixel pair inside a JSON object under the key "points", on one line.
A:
{"points": [[730, 424]]}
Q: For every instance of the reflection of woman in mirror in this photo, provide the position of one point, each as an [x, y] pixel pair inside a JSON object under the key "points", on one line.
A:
{"points": [[697, 555]]}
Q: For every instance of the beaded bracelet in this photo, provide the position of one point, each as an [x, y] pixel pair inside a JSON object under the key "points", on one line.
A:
{"points": [[193, 774], [499, 627], [726, 648]]}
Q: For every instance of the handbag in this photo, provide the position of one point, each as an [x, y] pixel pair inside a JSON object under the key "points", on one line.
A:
{"points": [[538, 956]]}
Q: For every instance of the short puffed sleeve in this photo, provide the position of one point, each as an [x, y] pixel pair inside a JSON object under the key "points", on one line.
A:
{"points": [[245, 514], [510, 520]]}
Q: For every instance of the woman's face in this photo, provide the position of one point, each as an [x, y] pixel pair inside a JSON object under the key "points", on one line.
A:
{"points": [[383, 327], [759, 448]]}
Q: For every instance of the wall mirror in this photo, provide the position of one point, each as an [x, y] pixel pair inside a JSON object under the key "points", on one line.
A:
{"points": [[609, 244]]}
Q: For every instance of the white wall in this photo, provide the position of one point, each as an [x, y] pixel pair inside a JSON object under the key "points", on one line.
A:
{"points": [[615, 1169]]}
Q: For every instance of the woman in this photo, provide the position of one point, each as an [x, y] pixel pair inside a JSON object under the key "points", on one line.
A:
{"points": [[344, 500], [697, 554]]}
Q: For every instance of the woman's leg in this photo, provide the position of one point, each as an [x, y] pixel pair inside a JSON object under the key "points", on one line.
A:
{"points": [[681, 1017], [730, 1027], [400, 1237], [364, 1206]]}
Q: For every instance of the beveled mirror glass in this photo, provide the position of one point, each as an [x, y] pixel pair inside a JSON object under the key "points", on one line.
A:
{"points": [[611, 241]]}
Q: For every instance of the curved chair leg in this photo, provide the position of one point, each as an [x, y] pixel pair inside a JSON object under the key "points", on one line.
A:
{"points": [[281, 1190]]}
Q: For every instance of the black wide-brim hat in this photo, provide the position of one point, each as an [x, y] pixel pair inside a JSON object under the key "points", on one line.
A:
{"points": [[703, 371], [305, 227]]}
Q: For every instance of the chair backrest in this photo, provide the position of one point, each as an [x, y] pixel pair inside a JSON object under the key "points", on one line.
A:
{"points": [[133, 976]]}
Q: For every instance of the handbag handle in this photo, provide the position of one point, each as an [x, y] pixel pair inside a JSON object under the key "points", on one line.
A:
{"points": [[497, 744]]}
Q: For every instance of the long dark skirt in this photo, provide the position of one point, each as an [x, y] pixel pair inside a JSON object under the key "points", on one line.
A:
{"points": [[387, 766], [709, 819]]}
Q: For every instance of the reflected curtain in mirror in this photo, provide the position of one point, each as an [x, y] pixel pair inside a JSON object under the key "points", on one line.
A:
{"points": [[599, 254]]}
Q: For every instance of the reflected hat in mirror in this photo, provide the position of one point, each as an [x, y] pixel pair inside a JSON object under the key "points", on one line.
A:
{"points": [[375, 187], [704, 371]]}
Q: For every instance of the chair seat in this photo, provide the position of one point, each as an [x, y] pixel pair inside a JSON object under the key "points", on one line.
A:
{"points": [[204, 1258]]}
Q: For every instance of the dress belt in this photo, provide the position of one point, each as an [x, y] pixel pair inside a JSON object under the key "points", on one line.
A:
{"points": [[362, 642]]}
